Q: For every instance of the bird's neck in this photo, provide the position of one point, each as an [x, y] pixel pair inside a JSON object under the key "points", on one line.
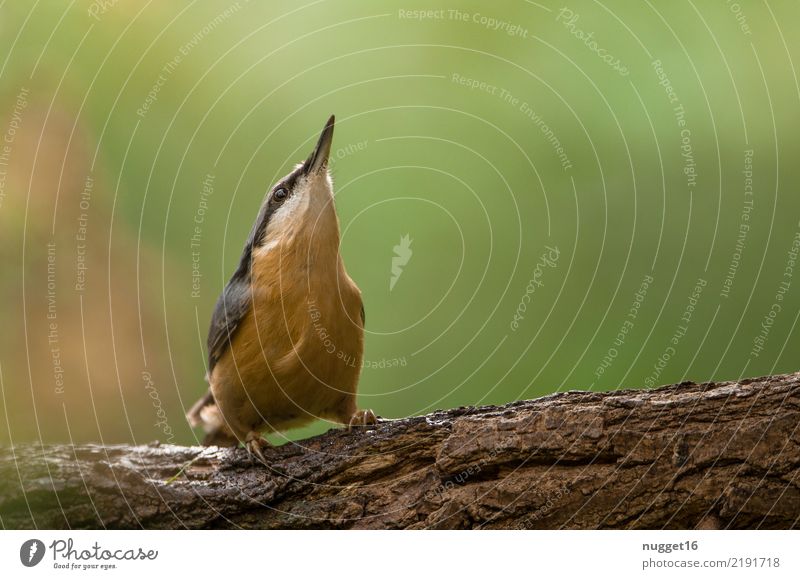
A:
{"points": [[306, 251], [317, 235]]}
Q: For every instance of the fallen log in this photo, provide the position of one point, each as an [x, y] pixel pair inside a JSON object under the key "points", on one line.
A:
{"points": [[711, 455]]}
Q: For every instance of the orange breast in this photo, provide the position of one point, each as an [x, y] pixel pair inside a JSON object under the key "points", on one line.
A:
{"points": [[298, 352]]}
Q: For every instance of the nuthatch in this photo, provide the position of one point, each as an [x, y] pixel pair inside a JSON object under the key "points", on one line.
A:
{"points": [[286, 340]]}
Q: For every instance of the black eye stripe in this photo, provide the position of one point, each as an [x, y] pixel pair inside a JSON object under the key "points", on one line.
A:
{"points": [[265, 214]]}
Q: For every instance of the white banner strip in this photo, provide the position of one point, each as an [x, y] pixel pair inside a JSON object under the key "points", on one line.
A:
{"points": [[492, 554]]}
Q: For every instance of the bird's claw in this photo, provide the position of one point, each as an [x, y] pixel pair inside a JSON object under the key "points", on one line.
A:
{"points": [[255, 445], [362, 418]]}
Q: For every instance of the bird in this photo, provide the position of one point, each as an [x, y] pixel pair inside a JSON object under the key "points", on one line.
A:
{"points": [[286, 338]]}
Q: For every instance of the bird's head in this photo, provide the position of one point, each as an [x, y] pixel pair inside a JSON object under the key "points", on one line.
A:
{"points": [[301, 204]]}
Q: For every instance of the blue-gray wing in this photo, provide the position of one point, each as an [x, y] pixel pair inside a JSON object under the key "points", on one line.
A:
{"points": [[234, 302], [232, 306]]}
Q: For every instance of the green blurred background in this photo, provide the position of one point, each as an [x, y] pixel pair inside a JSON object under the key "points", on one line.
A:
{"points": [[568, 231]]}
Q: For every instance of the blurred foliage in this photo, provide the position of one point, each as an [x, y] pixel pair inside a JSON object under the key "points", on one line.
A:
{"points": [[448, 124]]}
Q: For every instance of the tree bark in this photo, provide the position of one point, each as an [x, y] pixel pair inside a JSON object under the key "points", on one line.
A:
{"points": [[712, 455]]}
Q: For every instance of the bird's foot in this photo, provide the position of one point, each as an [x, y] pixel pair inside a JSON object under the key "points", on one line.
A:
{"points": [[255, 445], [362, 418]]}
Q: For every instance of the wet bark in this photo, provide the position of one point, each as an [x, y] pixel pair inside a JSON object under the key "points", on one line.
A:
{"points": [[713, 455]]}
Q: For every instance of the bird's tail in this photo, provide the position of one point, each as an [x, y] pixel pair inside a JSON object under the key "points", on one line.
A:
{"points": [[205, 413]]}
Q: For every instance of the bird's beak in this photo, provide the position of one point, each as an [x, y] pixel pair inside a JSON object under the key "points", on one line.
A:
{"points": [[318, 160]]}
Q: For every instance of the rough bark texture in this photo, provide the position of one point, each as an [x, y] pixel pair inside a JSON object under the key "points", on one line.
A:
{"points": [[708, 455]]}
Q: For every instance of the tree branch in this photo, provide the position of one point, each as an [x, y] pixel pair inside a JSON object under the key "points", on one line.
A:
{"points": [[684, 456]]}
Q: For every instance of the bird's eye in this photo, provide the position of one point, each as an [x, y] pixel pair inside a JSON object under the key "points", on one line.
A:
{"points": [[280, 194]]}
